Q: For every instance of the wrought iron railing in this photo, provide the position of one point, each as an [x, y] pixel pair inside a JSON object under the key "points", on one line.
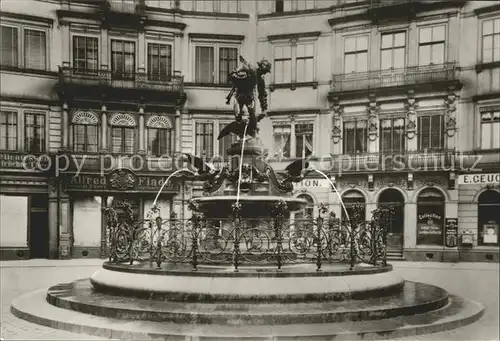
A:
{"points": [[136, 80], [241, 241], [410, 75]]}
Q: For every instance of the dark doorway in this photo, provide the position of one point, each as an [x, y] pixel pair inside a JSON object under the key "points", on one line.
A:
{"points": [[395, 234], [488, 218], [39, 226], [351, 199]]}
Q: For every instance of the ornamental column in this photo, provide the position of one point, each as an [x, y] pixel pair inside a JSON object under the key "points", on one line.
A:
{"points": [[177, 126], [104, 128], [141, 130], [65, 126]]}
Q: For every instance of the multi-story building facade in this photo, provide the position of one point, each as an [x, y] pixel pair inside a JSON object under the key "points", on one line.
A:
{"points": [[397, 101]]}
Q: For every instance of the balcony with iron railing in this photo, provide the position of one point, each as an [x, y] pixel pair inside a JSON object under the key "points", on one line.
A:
{"points": [[135, 84], [381, 9], [396, 78]]}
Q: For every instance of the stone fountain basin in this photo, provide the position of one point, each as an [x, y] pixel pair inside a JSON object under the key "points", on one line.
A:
{"points": [[251, 205]]}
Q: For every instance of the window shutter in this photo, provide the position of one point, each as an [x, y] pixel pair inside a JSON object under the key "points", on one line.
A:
{"points": [[34, 49], [9, 46]]}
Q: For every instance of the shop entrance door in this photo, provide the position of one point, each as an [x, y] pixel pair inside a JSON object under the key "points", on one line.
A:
{"points": [[39, 226], [395, 233]]}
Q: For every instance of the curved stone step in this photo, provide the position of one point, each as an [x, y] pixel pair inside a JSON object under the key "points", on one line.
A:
{"points": [[80, 296], [34, 308]]}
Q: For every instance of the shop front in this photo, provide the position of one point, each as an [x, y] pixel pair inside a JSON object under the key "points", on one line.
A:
{"points": [[91, 194]]}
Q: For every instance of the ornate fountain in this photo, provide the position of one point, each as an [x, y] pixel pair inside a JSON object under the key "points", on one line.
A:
{"points": [[241, 269]]}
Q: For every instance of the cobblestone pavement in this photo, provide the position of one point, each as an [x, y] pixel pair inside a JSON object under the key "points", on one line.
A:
{"points": [[476, 281]]}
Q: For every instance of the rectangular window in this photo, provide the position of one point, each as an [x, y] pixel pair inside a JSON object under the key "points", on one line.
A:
{"points": [[227, 63], [34, 132], [123, 140], [205, 5], [393, 50], [160, 141], [282, 140], [85, 138], [159, 62], [304, 62], [204, 67], [304, 139], [204, 142], [490, 130], [491, 40], [282, 64], [8, 130], [279, 6], [431, 132], [123, 59], [392, 131], [85, 54], [228, 6], [355, 137], [356, 54], [207, 70], [226, 142], [431, 45], [34, 49], [9, 56]]}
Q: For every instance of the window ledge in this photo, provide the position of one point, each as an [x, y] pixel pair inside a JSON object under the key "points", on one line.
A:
{"points": [[208, 85], [28, 71], [293, 86], [487, 66], [296, 12]]}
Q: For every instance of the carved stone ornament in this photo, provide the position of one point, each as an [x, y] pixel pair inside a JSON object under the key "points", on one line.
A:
{"points": [[411, 115], [338, 111], [85, 117], [122, 120], [451, 106], [162, 122], [122, 179], [373, 109]]}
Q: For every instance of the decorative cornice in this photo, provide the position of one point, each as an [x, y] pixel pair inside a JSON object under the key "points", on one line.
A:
{"points": [[48, 21], [299, 35], [29, 100], [30, 71], [295, 112], [296, 13], [168, 24], [198, 13], [487, 9], [235, 37]]}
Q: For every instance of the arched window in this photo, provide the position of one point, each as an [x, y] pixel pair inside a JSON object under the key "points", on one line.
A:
{"points": [[393, 198], [350, 199], [122, 133], [160, 137], [488, 217], [85, 132], [430, 221]]}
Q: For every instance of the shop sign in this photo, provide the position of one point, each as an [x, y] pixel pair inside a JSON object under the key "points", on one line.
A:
{"points": [[490, 233], [120, 180], [429, 229], [479, 179], [312, 183], [19, 161], [451, 232]]}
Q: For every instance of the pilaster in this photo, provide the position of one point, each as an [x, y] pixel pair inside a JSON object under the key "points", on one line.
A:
{"points": [[65, 126], [293, 140], [178, 128], [104, 128], [142, 134], [104, 230], [53, 219]]}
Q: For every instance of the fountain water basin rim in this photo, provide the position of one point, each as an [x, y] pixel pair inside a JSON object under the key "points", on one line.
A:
{"points": [[258, 204]]}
